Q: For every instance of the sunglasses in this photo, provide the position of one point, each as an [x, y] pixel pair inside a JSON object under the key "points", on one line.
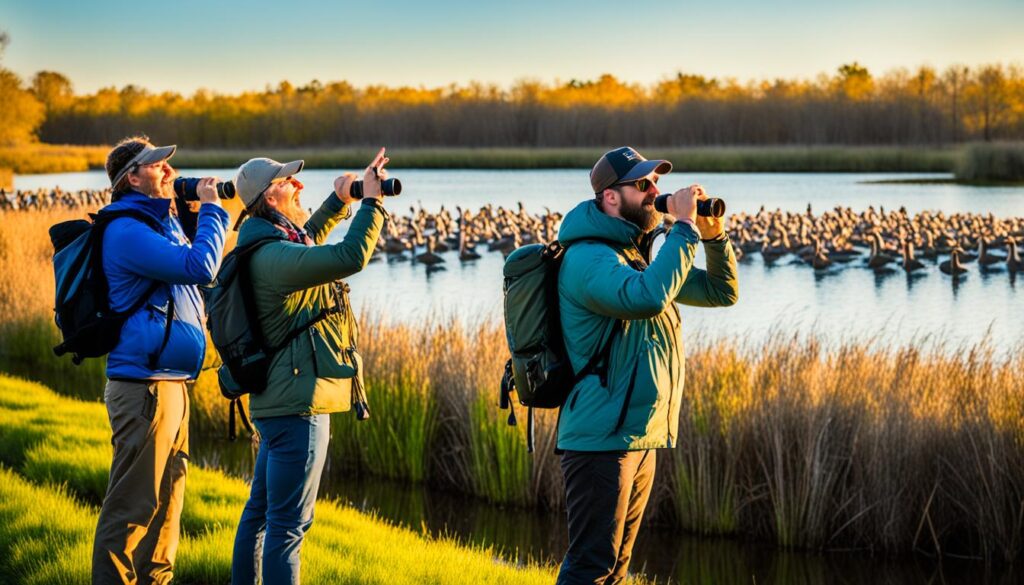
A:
{"points": [[642, 185]]}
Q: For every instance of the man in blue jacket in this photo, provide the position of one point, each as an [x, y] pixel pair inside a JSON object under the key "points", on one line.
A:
{"points": [[161, 347]]}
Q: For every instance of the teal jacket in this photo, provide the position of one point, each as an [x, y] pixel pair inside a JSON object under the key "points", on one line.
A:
{"points": [[292, 283], [596, 287]]}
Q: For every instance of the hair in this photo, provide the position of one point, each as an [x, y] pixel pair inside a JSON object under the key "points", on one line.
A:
{"points": [[260, 207], [123, 152]]}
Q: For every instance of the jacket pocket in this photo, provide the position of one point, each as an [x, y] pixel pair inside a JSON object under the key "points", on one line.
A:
{"points": [[332, 361]]}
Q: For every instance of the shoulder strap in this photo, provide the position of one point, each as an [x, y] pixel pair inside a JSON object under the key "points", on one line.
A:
{"points": [[599, 361], [249, 301]]}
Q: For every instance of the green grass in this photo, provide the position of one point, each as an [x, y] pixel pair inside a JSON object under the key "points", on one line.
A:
{"points": [[26, 349], [500, 464], [60, 449]]}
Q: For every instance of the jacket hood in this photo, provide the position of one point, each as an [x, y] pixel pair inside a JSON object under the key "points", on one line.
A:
{"points": [[257, 228], [160, 209], [586, 221]]}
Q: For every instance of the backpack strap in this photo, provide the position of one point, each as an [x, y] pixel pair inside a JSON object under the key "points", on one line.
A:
{"points": [[249, 302], [101, 221]]}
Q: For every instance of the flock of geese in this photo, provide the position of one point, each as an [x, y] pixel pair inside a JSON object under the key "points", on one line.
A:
{"points": [[883, 241], [878, 240]]}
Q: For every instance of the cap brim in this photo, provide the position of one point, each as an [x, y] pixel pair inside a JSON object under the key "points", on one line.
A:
{"points": [[662, 167], [157, 154], [289, 169]]}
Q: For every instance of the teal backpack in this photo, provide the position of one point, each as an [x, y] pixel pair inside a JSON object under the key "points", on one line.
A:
{"points": [[539, 371]]}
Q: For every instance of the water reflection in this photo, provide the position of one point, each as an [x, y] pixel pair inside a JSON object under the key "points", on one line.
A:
{"points": [[660, 554]]}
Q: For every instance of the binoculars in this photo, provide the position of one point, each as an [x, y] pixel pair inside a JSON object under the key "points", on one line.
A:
{"points": [[185, 187], [388, 187], [710, 207]]}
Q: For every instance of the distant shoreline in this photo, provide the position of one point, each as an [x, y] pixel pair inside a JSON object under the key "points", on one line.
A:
{"points": [[45, 158]]}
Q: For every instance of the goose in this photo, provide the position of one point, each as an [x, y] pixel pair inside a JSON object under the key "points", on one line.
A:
{"points": [[952, 266], [910, 264]]}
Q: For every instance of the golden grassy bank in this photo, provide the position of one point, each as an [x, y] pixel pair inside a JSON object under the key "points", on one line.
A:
{"points": [[52, 158], [793, 440]]}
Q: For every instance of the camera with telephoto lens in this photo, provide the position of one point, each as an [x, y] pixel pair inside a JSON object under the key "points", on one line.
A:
{"points": [[710, 207], [185, 187], [388, 187]]}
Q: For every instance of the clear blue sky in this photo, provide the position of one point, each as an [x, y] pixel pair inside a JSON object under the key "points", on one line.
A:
{"points": [[233, 46]]}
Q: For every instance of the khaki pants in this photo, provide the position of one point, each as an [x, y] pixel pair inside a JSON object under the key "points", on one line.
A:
{"points": [[137, 534]]}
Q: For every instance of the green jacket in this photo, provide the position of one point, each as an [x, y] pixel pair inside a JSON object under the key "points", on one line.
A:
{"points": [[596, 287], [314, 373]]}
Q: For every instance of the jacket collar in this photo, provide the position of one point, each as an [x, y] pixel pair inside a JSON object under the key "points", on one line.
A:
{"points": [[160, 209]]}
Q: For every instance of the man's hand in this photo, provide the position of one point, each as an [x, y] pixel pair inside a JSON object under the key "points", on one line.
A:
{"points": [[683, 203], [373, 175], [709, 227], [206, 189], [343, 187]]}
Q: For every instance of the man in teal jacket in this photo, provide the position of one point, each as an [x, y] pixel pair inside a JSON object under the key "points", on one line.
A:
{"points": [[614, 419]]}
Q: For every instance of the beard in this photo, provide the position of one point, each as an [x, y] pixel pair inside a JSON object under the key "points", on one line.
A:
{"points": [[295, 213], [643, 214]]}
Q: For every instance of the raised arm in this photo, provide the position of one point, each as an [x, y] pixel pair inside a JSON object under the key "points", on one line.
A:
{"points": [[718, 286], [296, 267], [141, 250], [595, 275]]}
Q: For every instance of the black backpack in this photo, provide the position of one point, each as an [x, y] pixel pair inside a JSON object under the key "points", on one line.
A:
{"points": [[539, 370], [237, 334], [88, 326]]}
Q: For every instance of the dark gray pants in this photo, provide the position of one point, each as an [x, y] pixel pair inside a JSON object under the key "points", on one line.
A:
{"points": [[605, 496]]}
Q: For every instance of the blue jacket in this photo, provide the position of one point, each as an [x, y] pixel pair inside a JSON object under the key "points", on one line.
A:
{"points": [[134, 256]]}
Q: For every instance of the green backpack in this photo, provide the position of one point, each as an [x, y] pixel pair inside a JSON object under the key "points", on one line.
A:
{"points": [[539, 371]]}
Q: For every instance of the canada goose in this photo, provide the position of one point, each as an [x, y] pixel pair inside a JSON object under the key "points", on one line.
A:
{"points": [[1013, 262], [952, 266], [429, 257], [910, 264], [878, 259], [987, 259]]}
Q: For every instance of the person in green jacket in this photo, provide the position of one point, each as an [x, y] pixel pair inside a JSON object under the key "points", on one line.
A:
{"points": [[294, 278], [614, 419]]}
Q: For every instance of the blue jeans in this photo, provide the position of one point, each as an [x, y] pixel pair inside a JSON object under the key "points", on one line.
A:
{"points": [[291, 457]]}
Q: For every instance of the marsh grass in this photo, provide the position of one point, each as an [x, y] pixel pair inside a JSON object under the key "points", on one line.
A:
{"points": [[6, 178], [704, 159], [52, 158], [994, 162]]}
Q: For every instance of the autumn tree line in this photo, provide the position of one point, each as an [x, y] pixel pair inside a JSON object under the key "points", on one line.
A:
{"points": [[852, 106]]}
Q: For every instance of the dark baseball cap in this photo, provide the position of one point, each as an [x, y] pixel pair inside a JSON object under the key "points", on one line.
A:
{"points": [[624, 164]]}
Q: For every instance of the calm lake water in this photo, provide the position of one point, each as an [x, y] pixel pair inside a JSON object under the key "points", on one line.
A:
{"points": [[852, 302], [842, 303]]}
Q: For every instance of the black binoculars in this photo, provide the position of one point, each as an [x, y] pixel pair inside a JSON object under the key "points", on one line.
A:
{"points": [[388, 187], [710, 207], [185, 187]]}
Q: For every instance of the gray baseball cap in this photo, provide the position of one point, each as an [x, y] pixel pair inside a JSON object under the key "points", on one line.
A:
{"points": [[624, 164], [258, 173], [148, 155]]}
